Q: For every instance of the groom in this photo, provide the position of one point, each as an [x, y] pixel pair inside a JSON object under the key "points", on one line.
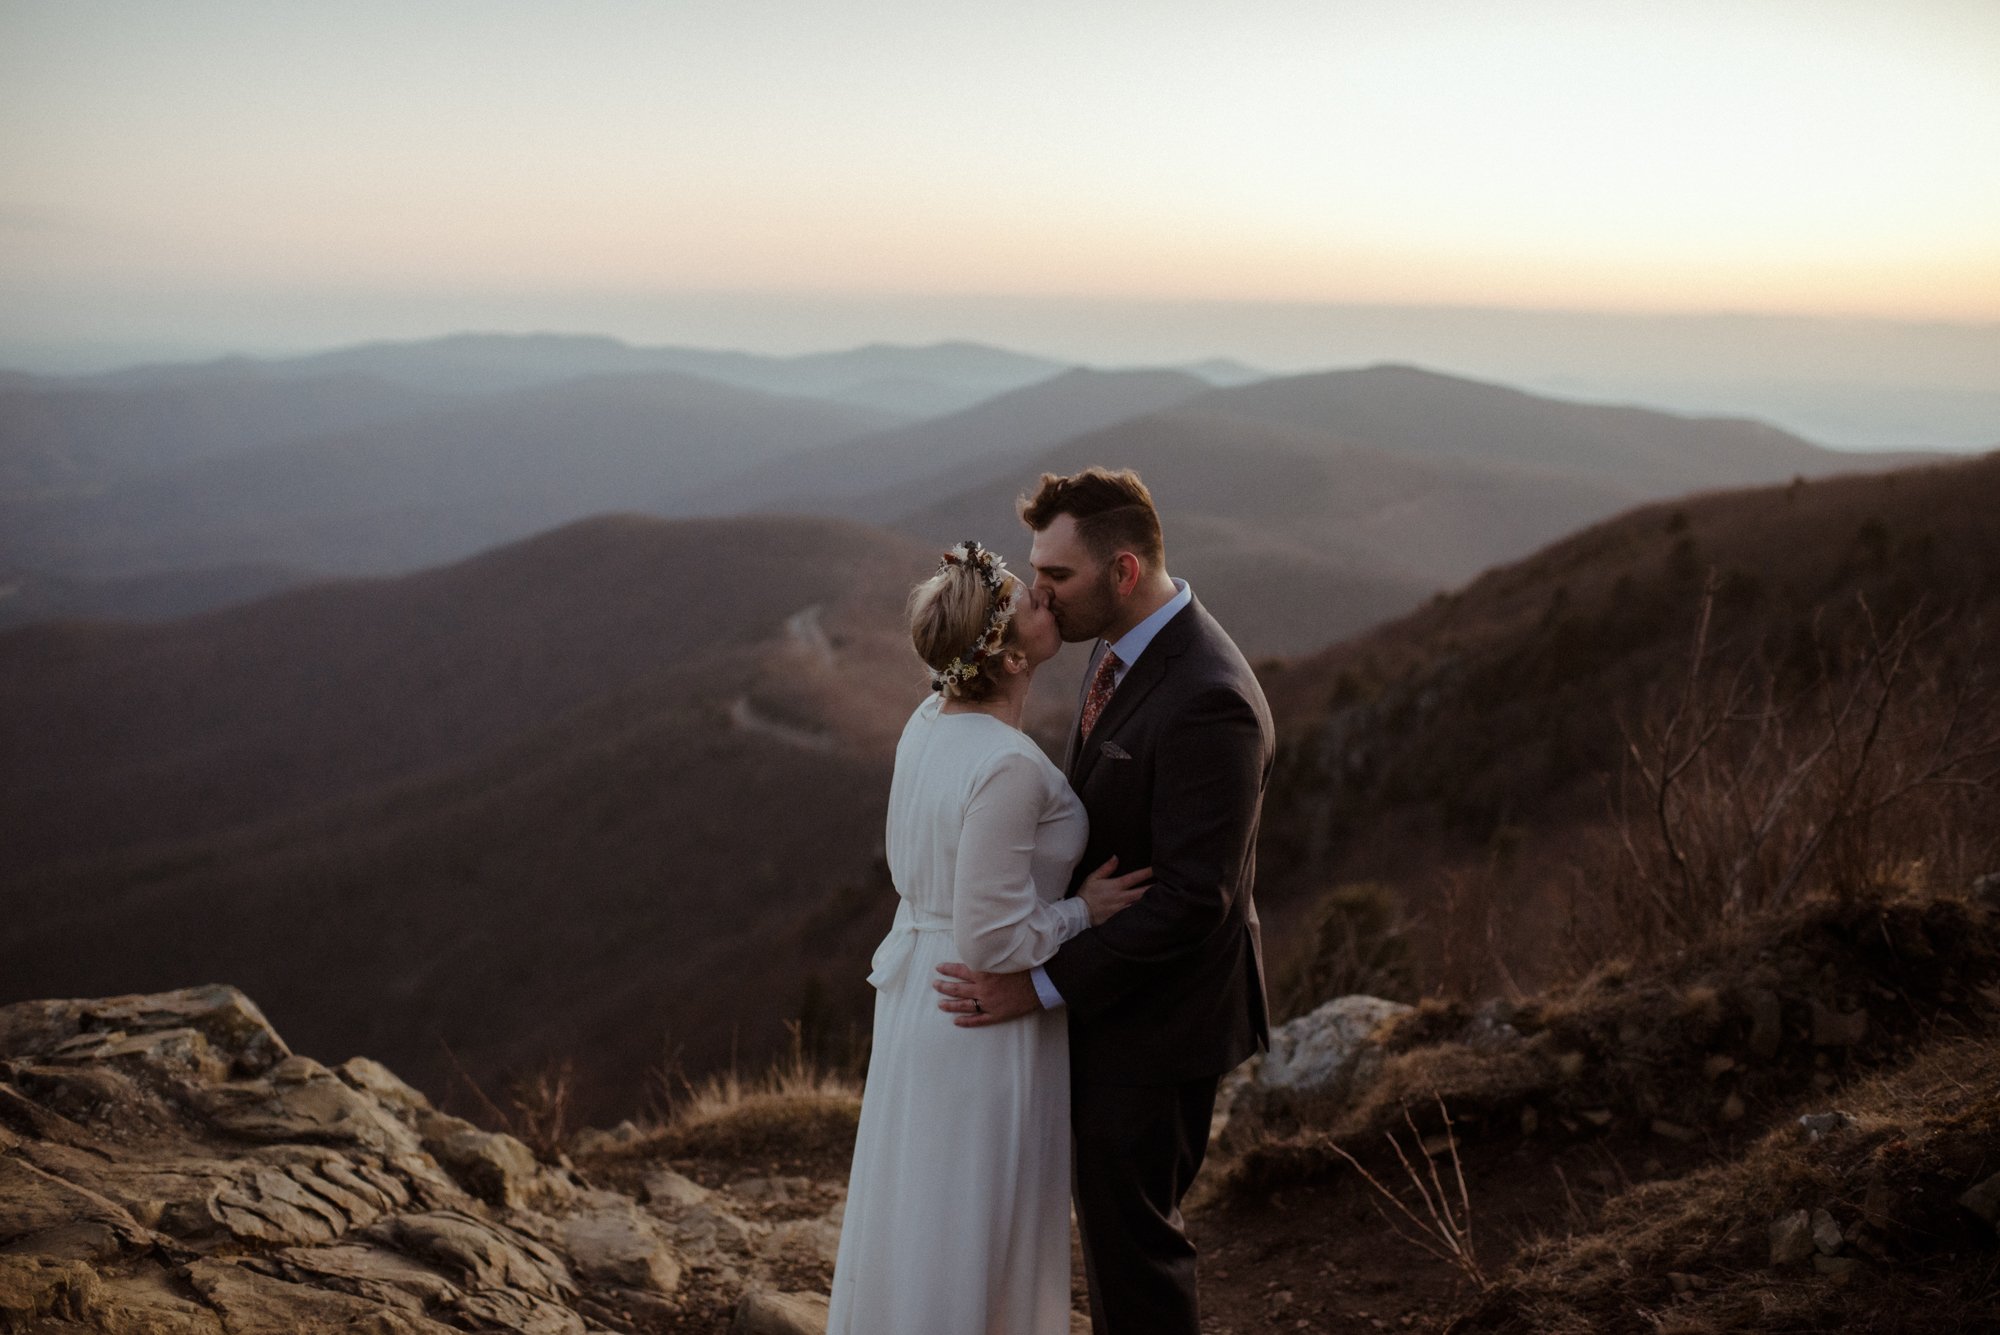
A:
{"points": [[1170, 754]]}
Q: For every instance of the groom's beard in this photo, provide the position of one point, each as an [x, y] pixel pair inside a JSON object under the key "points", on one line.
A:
{"points": [[1083, 617]]}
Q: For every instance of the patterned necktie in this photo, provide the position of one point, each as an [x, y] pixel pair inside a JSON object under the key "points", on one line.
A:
{"points": [[1101, 687]]}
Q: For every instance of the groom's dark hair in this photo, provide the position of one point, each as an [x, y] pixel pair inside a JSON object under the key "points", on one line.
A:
{"points": [[1113, 512]]}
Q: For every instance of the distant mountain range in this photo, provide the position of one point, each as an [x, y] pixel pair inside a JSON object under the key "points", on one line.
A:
{"points": [[408, 491], [160, 490], [905, 381], [1308, 508]]}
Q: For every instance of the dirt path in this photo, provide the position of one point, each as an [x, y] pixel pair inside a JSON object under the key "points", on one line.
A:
{"points": [[1322, 1257]]}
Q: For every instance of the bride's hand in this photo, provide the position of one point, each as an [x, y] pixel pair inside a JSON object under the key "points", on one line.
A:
{"points": [[1107, 894]]}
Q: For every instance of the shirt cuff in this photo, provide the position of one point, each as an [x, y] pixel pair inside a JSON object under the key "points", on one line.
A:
{"points": [[1046, 990], [1075, 916]]}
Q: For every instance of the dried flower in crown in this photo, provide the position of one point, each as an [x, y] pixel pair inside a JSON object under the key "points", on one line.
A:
{"points": [[993, 573]]}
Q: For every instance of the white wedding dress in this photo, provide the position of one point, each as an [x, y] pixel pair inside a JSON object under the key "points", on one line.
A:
{"points": [[957, 1219]]}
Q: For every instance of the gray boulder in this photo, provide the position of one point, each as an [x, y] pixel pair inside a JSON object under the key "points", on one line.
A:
{"points": [[1326, 1055]]}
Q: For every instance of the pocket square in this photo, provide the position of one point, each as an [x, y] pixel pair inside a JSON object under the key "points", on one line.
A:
{"points": [[1114, 751]]}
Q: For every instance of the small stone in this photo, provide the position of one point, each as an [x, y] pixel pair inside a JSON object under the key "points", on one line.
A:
{"points": [[1818, 1125], [1439, 1143], [296, 1070], [1766, 1021], [1732, 1109], [1987, 888], [1839, 1269], [1597, 1117], [1791, 1238], [1569, 1065], [1984, 1200], [1717, 1065], [615, 1242], [492, 1165], [1832, 1029], [1674, 1131], [668, 1188], [1826, 1233], [763, 1312]]}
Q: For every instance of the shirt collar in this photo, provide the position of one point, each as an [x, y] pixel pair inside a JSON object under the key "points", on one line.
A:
{"points": [[1133, 642]]}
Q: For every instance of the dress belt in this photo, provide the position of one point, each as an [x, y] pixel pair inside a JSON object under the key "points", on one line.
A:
{"points": [[892, 957]]}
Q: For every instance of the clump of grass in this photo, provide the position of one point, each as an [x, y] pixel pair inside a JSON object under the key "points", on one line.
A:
{"points": [[797, 1105], [1637, 1042]]}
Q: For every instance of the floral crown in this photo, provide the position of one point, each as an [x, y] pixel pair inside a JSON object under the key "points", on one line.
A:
{"points": [[993, 573]]}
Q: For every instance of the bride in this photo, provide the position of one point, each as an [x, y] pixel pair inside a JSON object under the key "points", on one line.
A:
{"points": [[957, 1219]]}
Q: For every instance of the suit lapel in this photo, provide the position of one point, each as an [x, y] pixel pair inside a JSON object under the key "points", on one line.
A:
{"points": [[1139, 681]]}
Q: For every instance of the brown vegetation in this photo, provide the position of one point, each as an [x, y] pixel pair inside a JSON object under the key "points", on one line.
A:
{"points": [[1735, 875], [1693, 1255], [1490, 755]]}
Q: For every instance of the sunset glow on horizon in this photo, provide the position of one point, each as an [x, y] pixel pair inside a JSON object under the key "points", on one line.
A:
{"points": [[1820, 159]]}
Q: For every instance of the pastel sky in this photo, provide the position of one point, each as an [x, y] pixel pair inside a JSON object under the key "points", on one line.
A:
{"points": [[173, 165]]}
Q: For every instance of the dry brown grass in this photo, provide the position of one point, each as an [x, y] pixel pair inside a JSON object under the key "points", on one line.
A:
{"points": [[796, 1105], [1478, 755], [1630, 1045], [543, 1108], [1921, 1262]]}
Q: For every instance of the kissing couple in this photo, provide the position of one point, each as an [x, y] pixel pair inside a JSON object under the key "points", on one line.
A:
{"points": [[1074, 962]]}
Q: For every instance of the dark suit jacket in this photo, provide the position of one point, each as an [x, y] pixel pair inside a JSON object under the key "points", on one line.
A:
{"points": [[1173, 778]]}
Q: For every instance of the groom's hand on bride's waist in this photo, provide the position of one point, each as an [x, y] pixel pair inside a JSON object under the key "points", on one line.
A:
{"points": [[974, 999]]}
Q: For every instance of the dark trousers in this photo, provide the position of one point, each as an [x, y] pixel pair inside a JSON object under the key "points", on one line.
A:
{"points": [[1137, 1148]]}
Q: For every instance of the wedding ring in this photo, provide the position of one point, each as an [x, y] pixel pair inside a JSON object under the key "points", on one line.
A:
{"points": [[977, 1009]]}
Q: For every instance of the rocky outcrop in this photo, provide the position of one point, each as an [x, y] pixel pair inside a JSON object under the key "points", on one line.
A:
{"points": [[169, 1165], [1319, 1058]]}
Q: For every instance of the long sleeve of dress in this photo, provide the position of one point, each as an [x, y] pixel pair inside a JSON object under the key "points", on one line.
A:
{"points": [[999, 923]]}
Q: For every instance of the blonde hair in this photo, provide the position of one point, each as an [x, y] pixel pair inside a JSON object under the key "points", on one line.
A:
{"points": [[949, 614]]}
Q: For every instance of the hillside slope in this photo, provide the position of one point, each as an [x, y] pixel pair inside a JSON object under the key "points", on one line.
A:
{"points": [[1486, 729], [609, 782]]}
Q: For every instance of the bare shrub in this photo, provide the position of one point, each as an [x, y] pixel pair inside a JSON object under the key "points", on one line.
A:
{"points": [[1472, 936], [542, 1107], [1444, 1229], [1862, 758], [1353, 940]]}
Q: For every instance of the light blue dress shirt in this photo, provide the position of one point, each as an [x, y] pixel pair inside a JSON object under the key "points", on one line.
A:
{"points": [[1128, 647]]}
